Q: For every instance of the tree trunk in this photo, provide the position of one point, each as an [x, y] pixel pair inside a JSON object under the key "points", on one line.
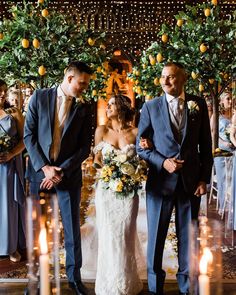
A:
{"points": [[215, 119], [41, 82]]}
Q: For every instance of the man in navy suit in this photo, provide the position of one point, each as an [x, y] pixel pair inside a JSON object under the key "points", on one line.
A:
{"points": [[57, 136], [180, 163]]}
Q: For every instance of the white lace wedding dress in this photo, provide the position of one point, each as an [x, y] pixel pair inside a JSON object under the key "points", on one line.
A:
{"points": [[117, 237]]}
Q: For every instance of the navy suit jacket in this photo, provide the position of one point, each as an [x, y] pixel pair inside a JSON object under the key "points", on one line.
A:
{"points": [[195, 148], [75, 141]]}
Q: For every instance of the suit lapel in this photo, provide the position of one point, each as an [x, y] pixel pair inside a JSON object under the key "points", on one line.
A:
{"points": [[73, 111], [51, 109], [187, 98]]}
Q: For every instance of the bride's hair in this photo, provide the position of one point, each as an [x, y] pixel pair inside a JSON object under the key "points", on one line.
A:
{"points": [[124, 108]]}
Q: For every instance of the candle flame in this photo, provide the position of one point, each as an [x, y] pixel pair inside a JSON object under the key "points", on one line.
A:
{"points": [[206, 259], [43, 241], [208, 253]]}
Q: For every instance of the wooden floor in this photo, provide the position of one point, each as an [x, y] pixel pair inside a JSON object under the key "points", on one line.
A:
{"points": [[170, 289]]}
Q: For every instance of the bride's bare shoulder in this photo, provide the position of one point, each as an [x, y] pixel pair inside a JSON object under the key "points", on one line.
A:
{"points": [[101, 130], [134, 131]]}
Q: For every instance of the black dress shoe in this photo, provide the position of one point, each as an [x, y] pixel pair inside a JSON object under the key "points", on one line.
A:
{"points": [[78, 288], [180, 293]]}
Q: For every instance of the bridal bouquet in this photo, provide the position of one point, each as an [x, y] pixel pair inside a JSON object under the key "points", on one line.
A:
{"points": [[7, 143], [123, 173]]}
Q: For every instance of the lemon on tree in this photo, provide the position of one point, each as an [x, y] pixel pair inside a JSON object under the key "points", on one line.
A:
{"points": [[201, 87], [91, 42], [203, 48], [156, 81], [152, 60], [1, 36], [207, 12], [159, 57], [211, 81], [214, 2], [194, 75], [164, 38], [25, 43], [42, 70], [138, 90], [180, 22], [36, 43], [40, 1], [45, 12], [94, 92]]}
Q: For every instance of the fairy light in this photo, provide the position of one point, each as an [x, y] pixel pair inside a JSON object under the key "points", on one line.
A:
{"points": [[131, 25]]}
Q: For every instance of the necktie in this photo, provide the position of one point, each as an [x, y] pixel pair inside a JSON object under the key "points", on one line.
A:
{"points": [[63, 110], [177, 106], [63, 104]]}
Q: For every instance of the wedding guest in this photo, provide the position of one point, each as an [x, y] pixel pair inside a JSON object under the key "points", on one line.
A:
{"points": [[224, 144], [57, 137], [116, 216], [180, 164], [28, 91], [233, 140], [15, 98], [12, 197]]}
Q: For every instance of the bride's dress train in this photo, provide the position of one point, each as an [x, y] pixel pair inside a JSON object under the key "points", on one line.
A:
{"points": [[117, 272]]}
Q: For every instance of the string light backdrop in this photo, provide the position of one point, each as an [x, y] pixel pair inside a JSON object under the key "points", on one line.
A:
{"points": [[130, 25]]}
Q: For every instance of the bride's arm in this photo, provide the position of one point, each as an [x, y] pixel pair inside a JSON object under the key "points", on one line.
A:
{"points": [[97, 162]]}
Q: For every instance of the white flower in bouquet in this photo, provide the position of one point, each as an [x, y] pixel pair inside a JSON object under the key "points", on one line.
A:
{"points": [[116, 185], [120, 158], [7, 143], [122, 174], [127, 168], [130, 153]]}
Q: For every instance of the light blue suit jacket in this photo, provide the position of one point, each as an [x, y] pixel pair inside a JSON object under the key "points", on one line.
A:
{"points": [[195, 148], [75, 141]]}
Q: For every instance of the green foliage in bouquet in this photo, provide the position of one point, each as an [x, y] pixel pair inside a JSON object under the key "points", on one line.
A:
{"points": [[204, 42], [37, 44], [123, 173]]}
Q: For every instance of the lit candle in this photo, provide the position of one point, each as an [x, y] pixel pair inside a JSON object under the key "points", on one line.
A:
{"points": [[44, 263], [203, 279]]}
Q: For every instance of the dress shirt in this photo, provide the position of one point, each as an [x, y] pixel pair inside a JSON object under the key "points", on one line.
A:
{"points": [[63, 105], [176, 106]]}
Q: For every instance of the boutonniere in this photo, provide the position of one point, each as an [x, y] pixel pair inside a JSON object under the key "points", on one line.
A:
{"points": [[193, 107], [79, 101]]}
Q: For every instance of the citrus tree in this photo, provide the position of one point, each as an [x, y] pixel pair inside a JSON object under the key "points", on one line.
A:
{"points": [[37, 44], [203, 40]]}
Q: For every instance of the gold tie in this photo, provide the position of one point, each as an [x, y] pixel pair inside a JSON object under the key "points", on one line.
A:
{"points": [[63, 110], [60, 117]]}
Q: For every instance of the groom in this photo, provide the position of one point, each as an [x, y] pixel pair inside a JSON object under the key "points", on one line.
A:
{"points": [[57, 136], [180, 163]]}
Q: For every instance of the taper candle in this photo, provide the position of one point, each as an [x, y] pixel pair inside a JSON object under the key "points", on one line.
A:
{"points": [[44, 263]]}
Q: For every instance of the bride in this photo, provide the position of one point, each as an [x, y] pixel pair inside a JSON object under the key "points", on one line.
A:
{"points": [[116, 213]]}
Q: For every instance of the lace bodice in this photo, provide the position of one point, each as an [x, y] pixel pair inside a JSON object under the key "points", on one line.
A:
{"points": [[105, 147]]}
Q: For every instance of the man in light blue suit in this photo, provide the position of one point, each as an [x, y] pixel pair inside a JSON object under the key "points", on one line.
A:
{"points": [[180, 163], [57, 137]]}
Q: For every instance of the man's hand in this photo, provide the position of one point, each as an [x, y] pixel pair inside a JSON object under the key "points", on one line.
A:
{"points": [[172, 165], [145, 143], [5, 157], [201, 189], [46, 184], [53, 173]]}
